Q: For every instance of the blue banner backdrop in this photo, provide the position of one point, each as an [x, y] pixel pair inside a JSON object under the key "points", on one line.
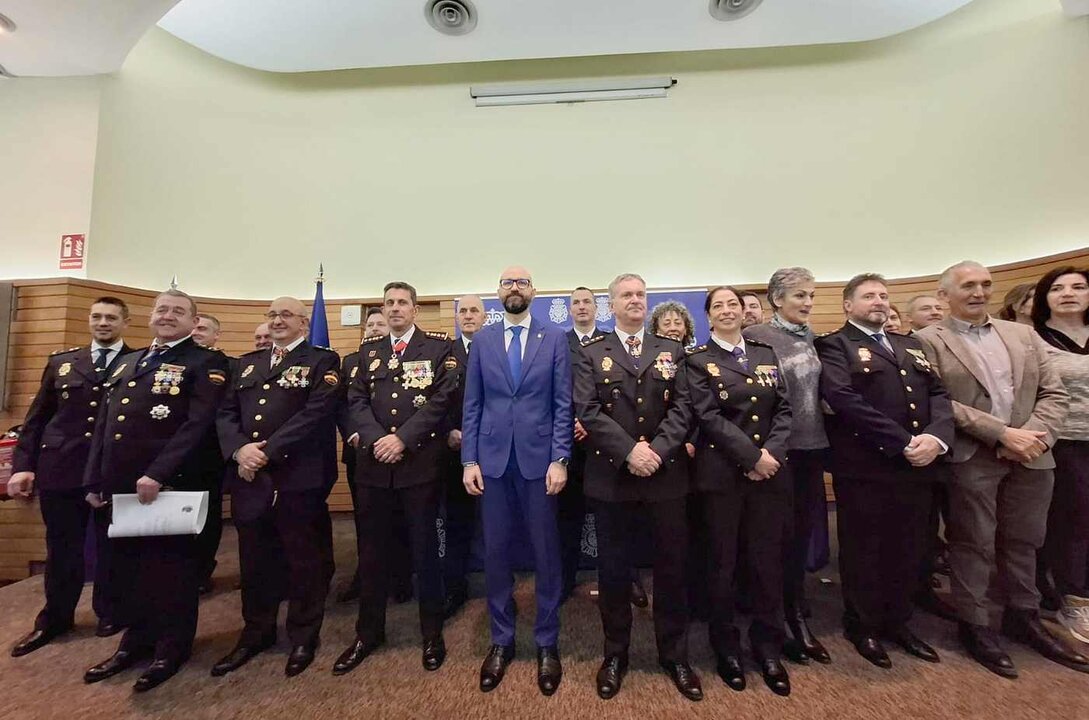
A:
{"points": [[553, 308]]}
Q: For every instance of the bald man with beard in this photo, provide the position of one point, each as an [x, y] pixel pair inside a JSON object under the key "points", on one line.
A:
{"points": [[278, 427]]}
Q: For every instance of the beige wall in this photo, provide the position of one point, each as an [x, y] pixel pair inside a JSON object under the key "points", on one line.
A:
{"points": [[48, 131], [969, 137]]}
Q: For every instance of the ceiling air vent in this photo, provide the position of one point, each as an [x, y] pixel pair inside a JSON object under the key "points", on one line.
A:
{"points": [[732, 9], [451, 17]]}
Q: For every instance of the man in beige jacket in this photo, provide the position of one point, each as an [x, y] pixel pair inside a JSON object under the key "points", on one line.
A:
{"points": [[1008, 404]]}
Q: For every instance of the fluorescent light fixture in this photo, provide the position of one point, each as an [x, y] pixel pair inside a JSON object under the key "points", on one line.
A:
{"points": [[572, 91]]}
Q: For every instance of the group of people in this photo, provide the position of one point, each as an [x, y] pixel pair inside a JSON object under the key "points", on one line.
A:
{"points": [[951, 418]]}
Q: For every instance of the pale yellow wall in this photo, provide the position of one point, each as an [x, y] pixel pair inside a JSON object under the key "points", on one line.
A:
{"points": [[967, 138], [48, 131]]}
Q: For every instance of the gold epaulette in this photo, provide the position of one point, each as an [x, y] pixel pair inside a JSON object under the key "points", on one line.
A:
{"points": [[591, 341], [372, 338], [697, 349], [437, 335], [61, 352]]}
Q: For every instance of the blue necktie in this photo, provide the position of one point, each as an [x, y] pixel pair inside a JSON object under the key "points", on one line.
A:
{"points": [[880, 339], [739, 355], [514, 353]]}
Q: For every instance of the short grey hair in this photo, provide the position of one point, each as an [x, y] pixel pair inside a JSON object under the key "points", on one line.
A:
{"points": [[621, 278], [945, 282], [917, 298], [174, 292], [784, 280]]}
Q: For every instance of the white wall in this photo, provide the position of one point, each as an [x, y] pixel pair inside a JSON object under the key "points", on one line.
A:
{"points": [[48, 134], [966, 138]]}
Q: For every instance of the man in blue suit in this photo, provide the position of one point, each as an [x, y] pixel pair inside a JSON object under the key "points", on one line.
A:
{"points": [[515, 446]]}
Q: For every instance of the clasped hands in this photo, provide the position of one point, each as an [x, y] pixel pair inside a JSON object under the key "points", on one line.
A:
{"points": [[389, 449], [765, 468], [922, 450], [250, 457], [642, 460], [1021, 445]]}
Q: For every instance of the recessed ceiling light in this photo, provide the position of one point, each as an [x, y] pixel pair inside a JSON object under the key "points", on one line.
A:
{"points": [[6, 25], [451, 17], [732, 9]]}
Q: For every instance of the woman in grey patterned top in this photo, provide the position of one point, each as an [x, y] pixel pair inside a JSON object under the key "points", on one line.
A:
{"points": [[1060, 313], [790, 292]]}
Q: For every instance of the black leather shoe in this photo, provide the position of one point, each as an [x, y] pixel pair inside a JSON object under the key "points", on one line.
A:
{"points": [[118, 662], [356, 653], [455, 600], [928, 601], [1024, 626], [686, 680], [870, 648], [912, 645], [494, 666], [36, 639], [300, 658], [158, 672], [610, 676], [802, 639], [106, 628], [638, 594], [982, 644], [549, 669], [775, 676], [731, 671], [434, 653], [241, 655]]}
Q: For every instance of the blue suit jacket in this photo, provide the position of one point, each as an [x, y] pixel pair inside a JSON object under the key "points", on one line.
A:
{"points": [[534, 416]]}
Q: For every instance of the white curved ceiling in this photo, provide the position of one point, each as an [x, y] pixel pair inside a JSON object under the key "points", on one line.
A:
{"points": [[59, 37]]}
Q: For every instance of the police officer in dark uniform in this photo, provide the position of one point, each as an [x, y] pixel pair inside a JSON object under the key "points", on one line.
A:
{"points": [[54, 443], [157, 429], [460, 506], [892, 420], [631, 396], [206, 333], [745, 495], [398, 405], [278, 426]]}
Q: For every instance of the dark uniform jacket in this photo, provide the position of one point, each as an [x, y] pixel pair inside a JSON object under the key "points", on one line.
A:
{"points": [[349, 368], [879, 402], [159, 420], [408, 396], [291, 407], [457, 401], [55, 439], [620, 405], [740, 410], [578, 449]]}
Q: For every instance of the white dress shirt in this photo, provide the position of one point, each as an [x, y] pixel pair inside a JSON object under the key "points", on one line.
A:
{"points": [[111, 355]]}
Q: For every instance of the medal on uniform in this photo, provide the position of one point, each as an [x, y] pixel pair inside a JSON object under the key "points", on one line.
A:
{"points": [[713, 370], [920, 359], [723, 395], [419, 401], [167, 379], [160, 412], [64, 369], [119, 370], [354, 371], [372, 353], [247, 371], [374, 365], [664, 364], [393, 363], [294, 377], [64, 395], [864, 354], [606, 364], [417, 374], [768, 375]]}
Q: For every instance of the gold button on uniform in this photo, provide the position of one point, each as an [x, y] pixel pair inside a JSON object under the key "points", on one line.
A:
{"points": [[88, 434], [120, 418], [639, 400], [904, 372], [257, 418], [262, 401], [132, 383], [752, 399], [266, 386], [255, 433], [756, 437], [117, 436], [94, 403], [914, 423], [393, 395], [393, 411], [755, 418], [865, 370], [124, 401], [748, 381], [908, 388], [90, 419], [911, 405], [393, 429], [642, 419]]}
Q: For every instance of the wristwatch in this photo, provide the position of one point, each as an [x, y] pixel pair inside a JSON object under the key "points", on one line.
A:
{"points": [[469, 464], [562, 461]]}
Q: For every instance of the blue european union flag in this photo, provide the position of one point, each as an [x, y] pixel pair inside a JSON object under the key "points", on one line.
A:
{"points": [[319, 325]]}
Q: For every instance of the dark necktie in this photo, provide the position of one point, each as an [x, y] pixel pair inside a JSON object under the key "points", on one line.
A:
{"points": [[739, 356], [100, 361], [514, 353], [881, 340], [157, 348], [634, 345]]}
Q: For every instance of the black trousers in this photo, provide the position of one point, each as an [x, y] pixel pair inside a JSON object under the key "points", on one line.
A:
{"points": [[939, 509], [461, 510], [883, 537], [283, 554], [401, 566], [1066, 549], [156, 579], [570, 516], [750, 515], [806, 469], [209, 538], [66, 515], [375, 507], [617, 524]]}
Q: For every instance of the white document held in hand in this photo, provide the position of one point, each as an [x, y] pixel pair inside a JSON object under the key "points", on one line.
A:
{"points": [[172, 513]]}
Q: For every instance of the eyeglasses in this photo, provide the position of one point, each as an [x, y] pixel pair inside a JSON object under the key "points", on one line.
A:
{"points": [[286, 315], [522, 283]]}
